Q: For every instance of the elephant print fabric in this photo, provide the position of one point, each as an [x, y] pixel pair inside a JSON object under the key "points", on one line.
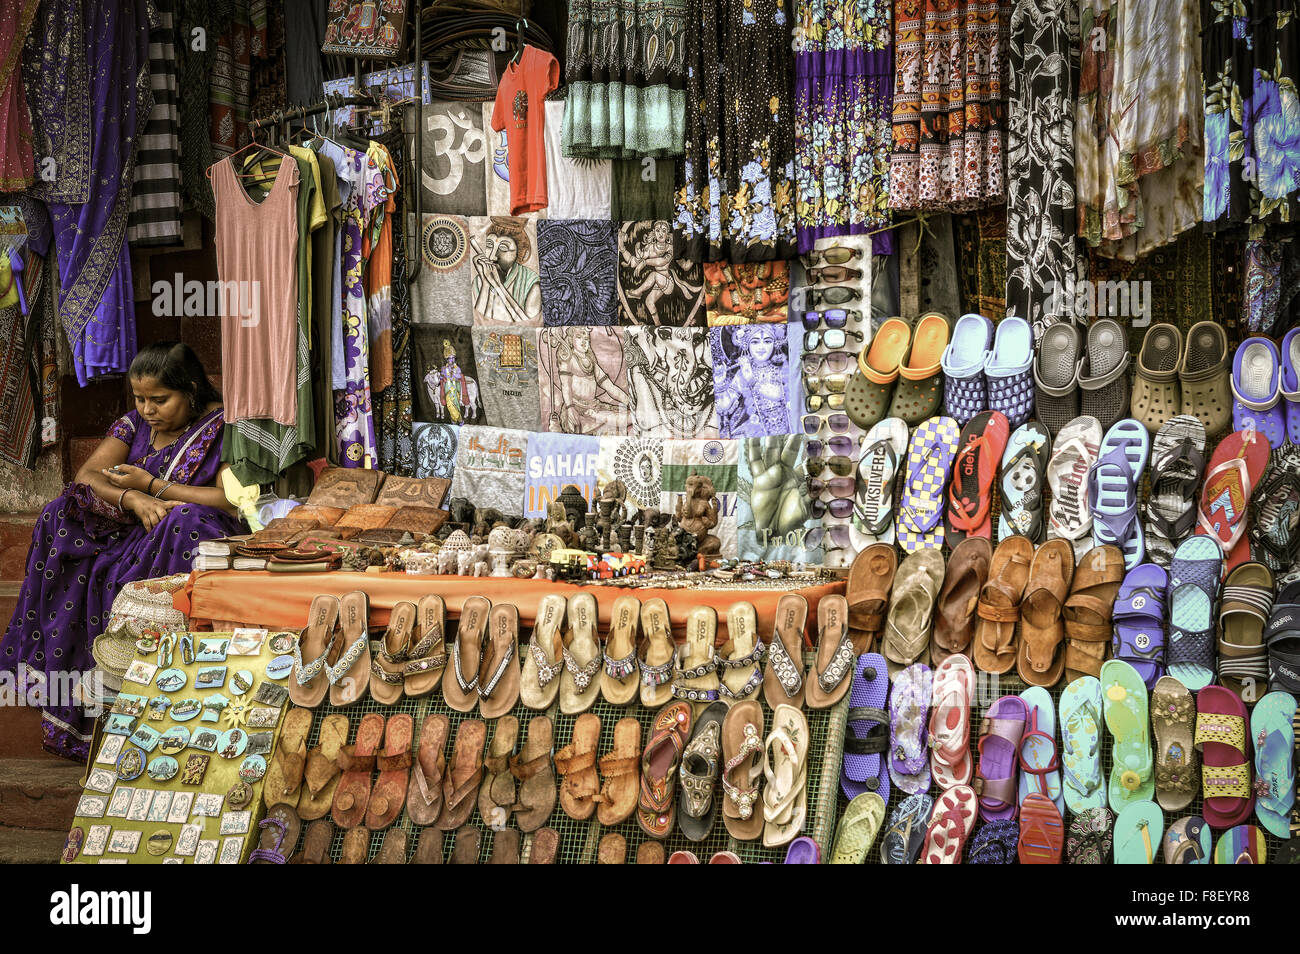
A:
{"points": [[503, 253], [491, 468], [670, 375], [773, 516], [657, 283], [446, 376]]}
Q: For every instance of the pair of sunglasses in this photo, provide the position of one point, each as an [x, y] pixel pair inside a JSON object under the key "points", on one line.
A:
{"points": [[831, 318], [836, 362], [835, 383], [838, 507], [839, 466], [812, 424], [833, 274], [835, 339], [841, 446], [835, 255], [838, 295], [815, 402], [838, 535], [838, 487]]}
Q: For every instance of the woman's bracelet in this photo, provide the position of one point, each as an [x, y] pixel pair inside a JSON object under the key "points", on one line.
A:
{"points": [[149, 489], [121, 497], [167, 486]]}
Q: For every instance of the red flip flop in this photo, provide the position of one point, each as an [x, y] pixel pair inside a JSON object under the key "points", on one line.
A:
{"points": [[1223, 737], [1233, 473], [970, 495], [951, 823], [1042, 835]]}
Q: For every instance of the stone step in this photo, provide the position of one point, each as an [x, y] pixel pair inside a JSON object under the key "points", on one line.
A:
{"points": [[20, 734], [20, 846], [15, 538], [39, 793]]}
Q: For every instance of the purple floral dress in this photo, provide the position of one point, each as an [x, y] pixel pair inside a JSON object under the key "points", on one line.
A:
{"points": [[83, 550]]}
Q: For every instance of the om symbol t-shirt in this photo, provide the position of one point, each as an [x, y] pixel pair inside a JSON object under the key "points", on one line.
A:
{"points": [[521, 111]]}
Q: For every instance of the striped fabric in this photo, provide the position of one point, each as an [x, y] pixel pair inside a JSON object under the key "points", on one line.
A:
{"points": [[156, 194]]}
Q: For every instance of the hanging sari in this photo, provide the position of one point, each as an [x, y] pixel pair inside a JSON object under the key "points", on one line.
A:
{"points": [[83, 551], [17, 165]]}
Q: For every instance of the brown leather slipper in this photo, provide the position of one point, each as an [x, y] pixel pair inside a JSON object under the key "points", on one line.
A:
{"points": [[316, 844], [999, 604], [545, 847], [460, 684], [505, 847], [612, 849], [498, 675], [283, 785], [576, 762], [389, 792], [870, 579], [1041, 627], [323, 772], [536, 774], [465, 850], [356, 846], [424, 791], [829, 677], [650, 853], [783, 681], [313, 645], [955, 617], [742, 760], [496, 796], [429, 850], [618, 678], [357, 761], [393, 850], [620, 769], [388, 665], [350, 684], [1088, 611], [427, 658], [464, 775]]}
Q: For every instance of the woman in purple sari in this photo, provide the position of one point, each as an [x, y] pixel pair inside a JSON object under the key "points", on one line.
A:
{"points": [[137, 510]]}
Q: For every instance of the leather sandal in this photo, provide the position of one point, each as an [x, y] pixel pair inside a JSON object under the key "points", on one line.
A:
{"points": [[999, 604], [1088, 610], [389, 792], [829, 677], [388, 665], [618, 678], [576, 763], [656, 657], [284, 775], [461, 782], [955, 619], [783, 681], [738, 661], [696, 679], [496, 796], [424, 791], [870, 579], [460, 686], [426, 660], [656, 807], [498, 674], [543, 661], [619, 771], [742, 768], [911, 609], [1041, 629], [701, 763], [308, 684], [580, 681], [533, 768], [357, 761], [323, 771]]}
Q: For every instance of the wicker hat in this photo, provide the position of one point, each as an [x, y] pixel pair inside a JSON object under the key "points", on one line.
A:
{"points": [[146, 607], [113, 655]]}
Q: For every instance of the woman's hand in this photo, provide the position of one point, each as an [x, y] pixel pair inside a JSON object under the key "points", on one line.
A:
{"points": [[150, 510], [128, 477]]}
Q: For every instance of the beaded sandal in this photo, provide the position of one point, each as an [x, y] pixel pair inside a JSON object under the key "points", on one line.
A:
{"points": [[783, 682], [742, 747]]}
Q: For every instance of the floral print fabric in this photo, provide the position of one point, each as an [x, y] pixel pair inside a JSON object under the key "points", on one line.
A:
{"points": [[948, 115], [843, 97], [1252, 113], [735, 197], [1138, 124]]}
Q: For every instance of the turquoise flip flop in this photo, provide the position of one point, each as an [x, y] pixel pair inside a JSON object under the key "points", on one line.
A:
{"points": [[1039, 756], [1194, 576], [1113, 489], [1137, 833], [1127, 715], [1273, 731], [1081, 715], [1189, 841], [1243, 845]]}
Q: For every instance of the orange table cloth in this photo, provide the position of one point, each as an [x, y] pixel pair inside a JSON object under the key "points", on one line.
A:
{"points": [[221, 598]]}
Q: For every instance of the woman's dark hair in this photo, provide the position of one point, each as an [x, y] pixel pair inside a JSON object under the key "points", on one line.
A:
{"points": [[177, 368]]}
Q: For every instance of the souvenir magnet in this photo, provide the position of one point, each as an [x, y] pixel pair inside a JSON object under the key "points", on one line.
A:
{"points": [[206, 852], [119, 724], [231, 850], [92, 806], [262, 718], [158, 707], [211, 649], [205, 740], [208, 804], [173, 740], [196, 766], [173, 861], [279, 667], [235, 715], [109, 750], [235, 823], [213, 706], [130, 764], [159, 807], [128, 704], [121, 803], [140, 800], [146, 644], [269, 694], [179, 813], [188, 840], [186, 709], [140, 672], [252, 768], [246, 642], [171, 680], [259, 743], [281, 643], [146, 736], [241, 682], [159, 842], [125, 841], [101, 780], [166, 650], [240, 795], [232, 743], [187, 649], [211, 677], [163, 768], [72, 846], [111, 861], [96, 840]]}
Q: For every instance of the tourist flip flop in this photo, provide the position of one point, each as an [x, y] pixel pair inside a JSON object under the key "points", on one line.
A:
{"points": [[965, 388], [951, 823], [1010, 370], [1073, 454], [308, 684], [1283, 639], [1081, 719], [905, 835], [657, 654], [1257, 390], [909, 755], [539, 683], [911, 609], [618, 679], [783, 681], [460, 686], [955, 618], [1244, 610], [700, 766], [580, 680], [785, 771], [994, 843], [858, 829], [954, 692], [1173, 723], [830, 675], [1001, 731], [741, 677], [866, 736], [1234, 471], [1177, 463], [1125, 710], [925, 479], [1039, 758], [1139, 618], [1113, 489], [742, 770], [873, 506], [1242, 845], [1137, 833], [1272, 726], [970, 494], [1023, 477], [1088, 610], [1221, 735], [1189, 841], [1090, 836], [347, 667], [1042, 833], [1193, 590]]}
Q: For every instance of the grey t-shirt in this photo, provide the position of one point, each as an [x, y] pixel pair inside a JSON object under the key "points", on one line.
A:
{"points": [[443, 291], [491, 467], [507, 374]]}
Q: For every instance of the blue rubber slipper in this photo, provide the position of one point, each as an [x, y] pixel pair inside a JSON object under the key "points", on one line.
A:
{"points": [[1273, 731], [1257, 390], [1193, 589], [1127, 715], [1021, 480], [1113, 485], [1139, 620], [1039, 755], [1137, 833], [1189, 841], [1081, 719], [965, 389], [1010, 371]]}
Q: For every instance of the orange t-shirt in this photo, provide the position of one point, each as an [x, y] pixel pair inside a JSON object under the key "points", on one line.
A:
{"points": [[521, 111]]}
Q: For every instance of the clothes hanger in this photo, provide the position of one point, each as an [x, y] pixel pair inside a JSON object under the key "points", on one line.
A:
{"points": [[251, 144], [520, 26]]}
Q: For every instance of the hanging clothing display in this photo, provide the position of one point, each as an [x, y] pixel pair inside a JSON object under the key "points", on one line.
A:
{"points": [[843, 94], [156, 197], [736, 199], [626, 72], [102, 60], [1138, 125], [949, 109], [1041, 79], [230, 88], [17, 164], [520, 112], [393, 406], [1251, 59]]}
